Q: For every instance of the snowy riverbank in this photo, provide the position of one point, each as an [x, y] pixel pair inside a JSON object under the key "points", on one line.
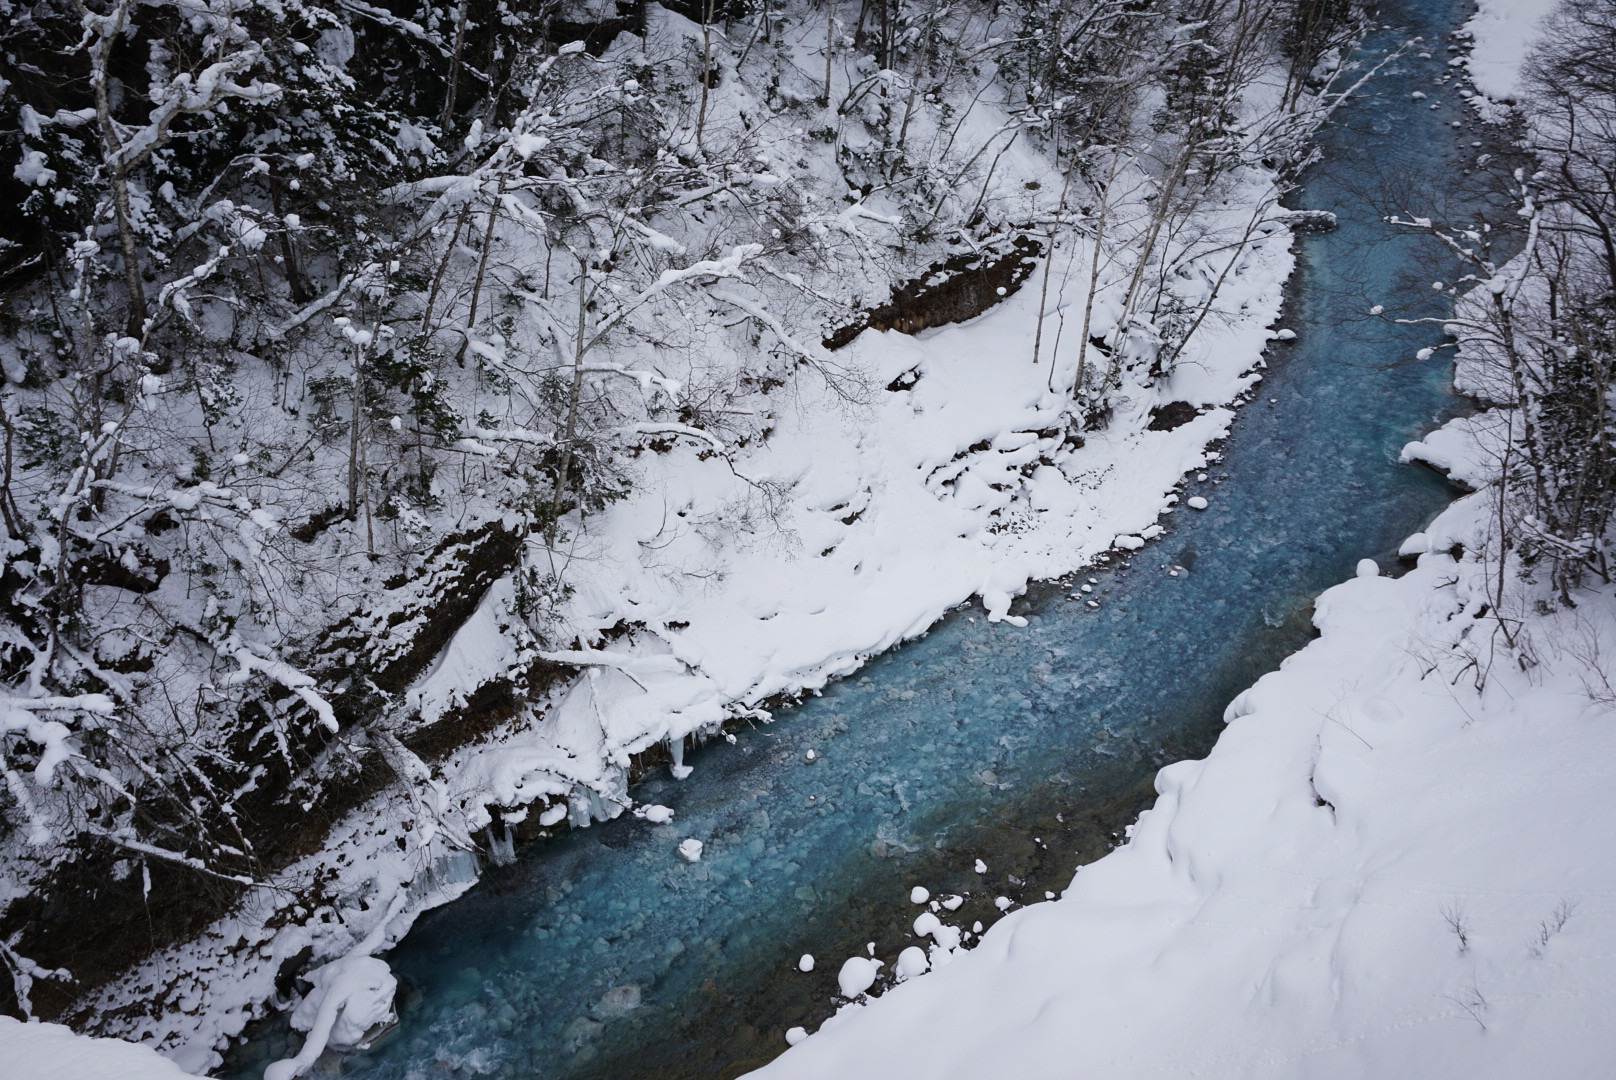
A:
{"points": [[1392, 864], [783, 620], [53, 1052], [855, 525]]}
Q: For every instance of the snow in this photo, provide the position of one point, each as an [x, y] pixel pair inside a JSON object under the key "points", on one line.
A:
{"points": [[1417, 544], [997, 604], [1502, 32], [36, 1051], [929, 925], [857, 975], [32, 170], [806, 964], [350, 1003], [1196, 502], [1394, 862], [769, 569], [690, 849], [919, 895], [351, 998], [912, 962], [1449, 449]]}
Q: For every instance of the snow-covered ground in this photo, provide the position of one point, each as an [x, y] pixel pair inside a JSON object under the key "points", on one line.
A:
{"points": [[52, 1052], [1379, 871], [1502, 32]]}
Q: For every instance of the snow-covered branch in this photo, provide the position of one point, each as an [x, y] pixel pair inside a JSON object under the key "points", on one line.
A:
{"points": [[292, 679], [729, 266]]}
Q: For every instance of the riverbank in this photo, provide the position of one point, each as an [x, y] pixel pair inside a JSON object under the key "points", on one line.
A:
{"points": [[923, 472], [1390, 864], [983, 761]]}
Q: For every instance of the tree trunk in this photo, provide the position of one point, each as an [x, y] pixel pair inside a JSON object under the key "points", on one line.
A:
{"points": [[706, 68], [294, 275], [575, 394], [358, 409], [136, 324], [830, 48], [482, 269], [454, 64]]}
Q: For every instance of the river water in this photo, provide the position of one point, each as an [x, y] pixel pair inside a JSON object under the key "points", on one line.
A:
{"points": [[603, 954]]}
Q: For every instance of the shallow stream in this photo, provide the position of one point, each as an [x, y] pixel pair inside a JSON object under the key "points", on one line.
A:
{"points": [[604, 954]]}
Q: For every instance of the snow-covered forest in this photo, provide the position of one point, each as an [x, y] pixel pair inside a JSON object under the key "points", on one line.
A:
{"points": [[423, 420]]}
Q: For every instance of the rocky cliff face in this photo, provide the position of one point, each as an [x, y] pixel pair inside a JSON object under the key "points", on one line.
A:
{"points": [[953, 290]]}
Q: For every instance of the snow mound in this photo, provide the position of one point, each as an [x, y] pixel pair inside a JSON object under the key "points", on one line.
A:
{"points": [[912, 962], [1451, 449], [1502, 33], [52, 1052], [857, 975]]}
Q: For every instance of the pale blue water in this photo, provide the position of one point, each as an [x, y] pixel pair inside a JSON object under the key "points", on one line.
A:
{"points": [[969, 742]]}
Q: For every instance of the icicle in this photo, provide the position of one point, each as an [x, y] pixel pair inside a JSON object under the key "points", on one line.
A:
{"points": [[456, 868], [501, 848], [679, 769], [445, 871]]}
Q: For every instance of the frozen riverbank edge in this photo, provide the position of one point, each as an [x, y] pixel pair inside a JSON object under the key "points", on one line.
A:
{"points": [[1380, 870], [899, 511]]}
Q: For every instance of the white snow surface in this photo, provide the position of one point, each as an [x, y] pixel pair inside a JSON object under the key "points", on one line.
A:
{"points": [[1379, 871], [1502, 33], [53, 1052], [1466, 450]]}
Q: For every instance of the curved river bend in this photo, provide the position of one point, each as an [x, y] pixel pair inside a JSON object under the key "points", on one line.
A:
{"points": [[604, 955]]}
